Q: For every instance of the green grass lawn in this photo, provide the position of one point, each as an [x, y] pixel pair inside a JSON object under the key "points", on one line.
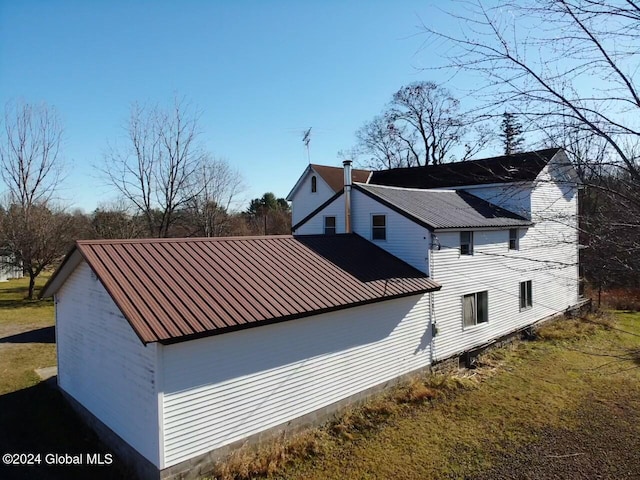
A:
{"points": [[21, 321]]}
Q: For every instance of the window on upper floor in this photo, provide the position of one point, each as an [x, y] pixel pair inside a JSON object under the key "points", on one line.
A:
{"points": [[314, 184], [526, 292], [466, 243], [513, 239], [329, 225], [378, 227], [475, 309]]}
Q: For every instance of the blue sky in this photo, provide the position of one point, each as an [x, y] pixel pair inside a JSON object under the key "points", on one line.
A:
{"points": [[260, 72]]}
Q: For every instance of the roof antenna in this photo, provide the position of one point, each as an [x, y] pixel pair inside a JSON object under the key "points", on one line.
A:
{"points": [[306, 139]]}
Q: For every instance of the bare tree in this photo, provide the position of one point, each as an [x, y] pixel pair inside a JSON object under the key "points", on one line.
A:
{"points": [[156, 172], [559, 61], [218, 185], [422, 125], [381, 142], [31, 166], [570, 69], [30, 162]]}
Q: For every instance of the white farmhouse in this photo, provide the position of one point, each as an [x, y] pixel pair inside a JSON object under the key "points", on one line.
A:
{"points": [[177, 350], [499, 234]]}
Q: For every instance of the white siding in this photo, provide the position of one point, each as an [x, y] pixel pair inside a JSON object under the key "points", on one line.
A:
{"points": [[405, 239], [315, 225], [547, 256], [8, 270], [515, 197], [223, 388], [103, 364], [304, 201]]}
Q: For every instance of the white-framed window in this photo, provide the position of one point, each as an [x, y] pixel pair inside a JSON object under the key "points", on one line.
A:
{"points": [[475, 308], [378, 227], [329, 225], [513, 239], [314, 184], [526, 294], [466, 243]]}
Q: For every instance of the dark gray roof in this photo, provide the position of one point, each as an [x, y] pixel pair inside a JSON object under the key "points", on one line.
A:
{"points": [[437, 209], [519, 167]]}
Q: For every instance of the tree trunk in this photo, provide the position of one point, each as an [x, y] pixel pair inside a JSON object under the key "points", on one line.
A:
{"points": [[32, 284]]}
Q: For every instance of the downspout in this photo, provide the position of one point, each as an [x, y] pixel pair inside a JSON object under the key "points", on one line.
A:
{"points": [[347, 196], [434, 244]]}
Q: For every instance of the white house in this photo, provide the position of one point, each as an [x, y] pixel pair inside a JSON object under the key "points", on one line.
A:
{"points": [[158, 340], [500, 235], [8, 268], [177, 348]]}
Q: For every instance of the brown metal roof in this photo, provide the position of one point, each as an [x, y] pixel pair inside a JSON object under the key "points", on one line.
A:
{"points": [[334, 176], [176, 289]]}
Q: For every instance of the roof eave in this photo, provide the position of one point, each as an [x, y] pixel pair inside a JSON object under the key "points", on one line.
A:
{"points": [[271, 321], [68, 265]]}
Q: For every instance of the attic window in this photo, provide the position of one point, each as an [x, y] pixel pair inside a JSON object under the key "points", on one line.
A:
{"points": [[379, 227], [314, 184], [513, 239], [329, 225], [466, 243]]}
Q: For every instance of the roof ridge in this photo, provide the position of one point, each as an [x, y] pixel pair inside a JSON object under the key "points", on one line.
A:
{"points": [[119, 241]]}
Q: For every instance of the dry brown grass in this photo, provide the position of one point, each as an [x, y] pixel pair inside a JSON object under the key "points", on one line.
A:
{"points": [[432, 391], [574, 328], [627, 299], [250, 462]]}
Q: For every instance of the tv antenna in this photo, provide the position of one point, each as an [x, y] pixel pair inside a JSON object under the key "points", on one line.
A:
{"points": [[306, 139]]}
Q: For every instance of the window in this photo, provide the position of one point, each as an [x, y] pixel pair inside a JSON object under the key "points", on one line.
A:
{"points": [[379, 227], [475, 309], [525, 295], [513, 239], [466, 243], [314, 184], [329, 225]]}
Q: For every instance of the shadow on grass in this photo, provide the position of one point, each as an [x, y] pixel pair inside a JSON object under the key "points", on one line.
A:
{"points": [[38, 420], [24, 303], [40, 335]]}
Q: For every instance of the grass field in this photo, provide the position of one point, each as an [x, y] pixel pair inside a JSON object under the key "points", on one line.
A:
{"points": [[566, 405]]}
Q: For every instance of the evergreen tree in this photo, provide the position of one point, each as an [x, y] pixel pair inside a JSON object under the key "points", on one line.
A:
{"points": [[511, 134]]}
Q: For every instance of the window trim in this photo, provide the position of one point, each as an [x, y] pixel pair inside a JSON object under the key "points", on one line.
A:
{"points": [[515, 240], [325, 226], [314, 184], [468, 244], [375, 228], [526, 295], [476, 323]]}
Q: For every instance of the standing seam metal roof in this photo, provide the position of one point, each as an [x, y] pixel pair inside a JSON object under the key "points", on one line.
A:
{"points": [[177, 289]]}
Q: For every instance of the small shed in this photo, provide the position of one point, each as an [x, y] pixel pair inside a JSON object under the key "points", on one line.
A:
{"points": [[9, 268], [177, 348]]}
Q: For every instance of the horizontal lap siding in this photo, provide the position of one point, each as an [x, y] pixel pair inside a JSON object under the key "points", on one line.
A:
{"points": [[547, 257], [103, 364], [315, 225], [405, 239], [225, 388]]}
